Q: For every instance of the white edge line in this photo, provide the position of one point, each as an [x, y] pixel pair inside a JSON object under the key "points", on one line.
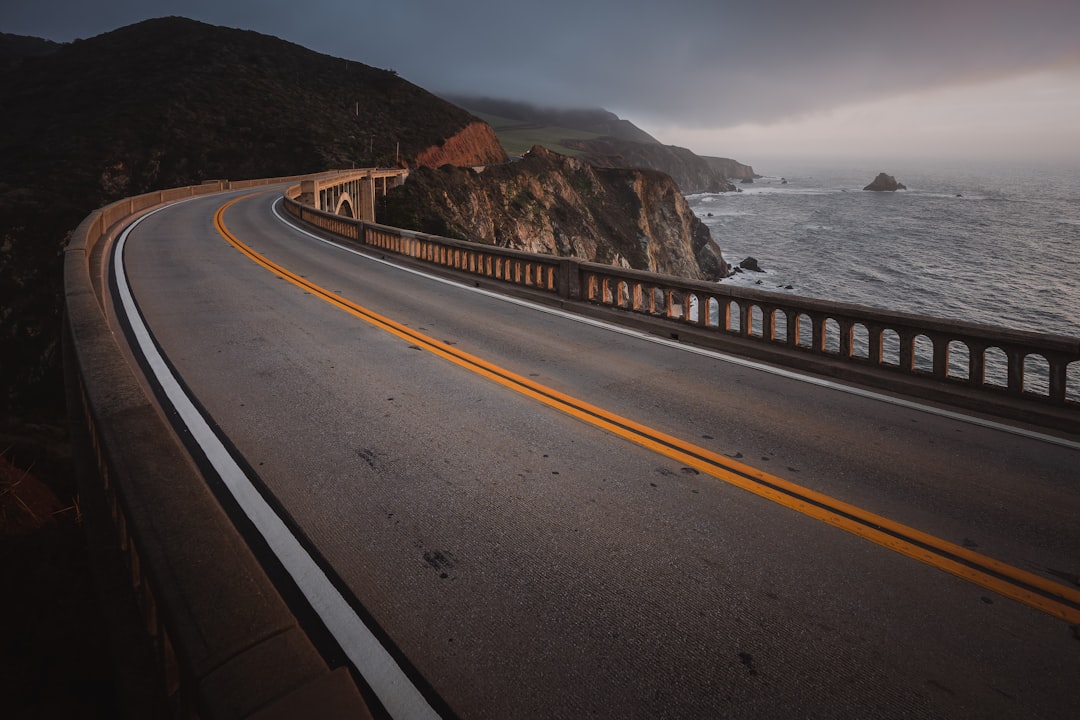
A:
{"points": [[734, 360], [393, 688]]}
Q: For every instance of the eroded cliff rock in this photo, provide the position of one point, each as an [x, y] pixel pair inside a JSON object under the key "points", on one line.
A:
{"points": [[550, 203], [476, 144]]}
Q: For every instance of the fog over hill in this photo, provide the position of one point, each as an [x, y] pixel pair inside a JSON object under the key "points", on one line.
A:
{"points": [[603, 139]]}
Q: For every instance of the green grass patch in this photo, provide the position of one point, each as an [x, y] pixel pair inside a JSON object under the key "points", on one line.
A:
{"points": [[519, 136]]}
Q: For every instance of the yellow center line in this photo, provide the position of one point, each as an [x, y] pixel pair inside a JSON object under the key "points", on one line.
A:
{"points": [[1034, 590]]}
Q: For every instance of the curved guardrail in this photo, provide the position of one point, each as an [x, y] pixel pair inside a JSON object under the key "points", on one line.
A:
{"points": [[1024, 375], [226, 644]]}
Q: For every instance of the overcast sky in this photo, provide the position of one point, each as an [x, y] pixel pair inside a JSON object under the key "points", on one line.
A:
{"points": [[741, 78]]}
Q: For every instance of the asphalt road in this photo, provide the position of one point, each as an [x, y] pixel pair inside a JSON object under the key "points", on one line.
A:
{"points": [[527, 561]]}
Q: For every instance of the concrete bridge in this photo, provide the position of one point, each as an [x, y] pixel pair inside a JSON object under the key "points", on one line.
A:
{"points": [[351, 194], [346, 466], [1021, 374]]}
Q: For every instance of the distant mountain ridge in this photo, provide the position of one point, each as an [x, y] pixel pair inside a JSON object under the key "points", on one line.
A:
{"points": [[603, 139], [591, 120]]}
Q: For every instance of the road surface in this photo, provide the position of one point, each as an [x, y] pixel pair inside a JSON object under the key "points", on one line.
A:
{"points": [[532, 516]]}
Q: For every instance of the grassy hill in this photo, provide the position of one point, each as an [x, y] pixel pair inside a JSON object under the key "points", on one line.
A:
{"points": [[521, 125], [518, 137], [603, 139]]}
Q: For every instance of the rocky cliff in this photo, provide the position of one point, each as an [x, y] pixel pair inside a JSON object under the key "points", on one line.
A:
{"points": [[692, 172], [550, 203], [476, 144]]}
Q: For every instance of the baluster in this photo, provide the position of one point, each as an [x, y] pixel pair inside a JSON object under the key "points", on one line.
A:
{"points": [[1016, 370], [941, 356], [1059, 373], [875, 347], [977, 364], [847, 343], [907, 350], [793, 329]]}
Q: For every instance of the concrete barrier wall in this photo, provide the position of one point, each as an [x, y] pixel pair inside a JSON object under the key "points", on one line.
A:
{"points": [[1023, 375], [226, 644]]}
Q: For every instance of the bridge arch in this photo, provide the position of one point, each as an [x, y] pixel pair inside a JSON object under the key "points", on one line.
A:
{"points": [[344, 206]]}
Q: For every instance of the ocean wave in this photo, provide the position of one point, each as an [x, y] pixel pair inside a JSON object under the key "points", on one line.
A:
{"points": [[716, 212], [926, 250]]}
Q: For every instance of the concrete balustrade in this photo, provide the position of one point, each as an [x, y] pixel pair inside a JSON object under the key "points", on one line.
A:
{"points": [[925, 356], [830, 329]]}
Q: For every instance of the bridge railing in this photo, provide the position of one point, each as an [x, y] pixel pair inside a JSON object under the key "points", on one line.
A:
{"points": [[1006, 363], [1022, 364], [221, 639]]}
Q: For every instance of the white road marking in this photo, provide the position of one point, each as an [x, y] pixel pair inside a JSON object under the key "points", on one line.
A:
{"points": [[394, 689], [732, 359]]}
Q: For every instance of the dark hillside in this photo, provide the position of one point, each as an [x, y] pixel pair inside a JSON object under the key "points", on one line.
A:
{"points": [[171, 102], [13, 48], [163, 103]]}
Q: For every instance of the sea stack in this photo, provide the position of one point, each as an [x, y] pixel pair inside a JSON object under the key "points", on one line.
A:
{"points": [[884, 182]]}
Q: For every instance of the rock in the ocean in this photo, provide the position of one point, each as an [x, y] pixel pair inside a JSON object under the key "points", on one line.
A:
{"points": [[885, 182], [751, 264]]}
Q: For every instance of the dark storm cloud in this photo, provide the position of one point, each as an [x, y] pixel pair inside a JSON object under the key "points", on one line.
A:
{"points": [[708, 64]]}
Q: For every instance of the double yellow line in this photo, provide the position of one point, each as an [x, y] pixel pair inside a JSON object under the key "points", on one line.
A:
{"points": [[1033, 590]]}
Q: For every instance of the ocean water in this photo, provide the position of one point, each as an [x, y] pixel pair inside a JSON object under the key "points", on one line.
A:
{"points": [[991, 244]]}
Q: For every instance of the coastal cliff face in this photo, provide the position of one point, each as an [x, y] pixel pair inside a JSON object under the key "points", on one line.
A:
{"points": [[476, 144], [692, 172], [550, 203]]}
